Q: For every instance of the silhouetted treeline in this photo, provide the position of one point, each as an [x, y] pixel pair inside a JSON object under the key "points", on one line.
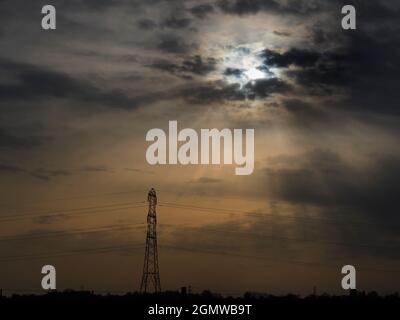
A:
{"points": [[79, 304]]}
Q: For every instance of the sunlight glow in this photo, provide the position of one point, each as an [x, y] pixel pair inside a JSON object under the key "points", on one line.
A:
{"points": [[243, 64]]}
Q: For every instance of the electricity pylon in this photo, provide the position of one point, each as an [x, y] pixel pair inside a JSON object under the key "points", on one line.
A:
{"points": [[151, 275]]}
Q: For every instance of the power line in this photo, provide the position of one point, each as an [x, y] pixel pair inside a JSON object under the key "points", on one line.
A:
{"points": [[109, 249], [272, 259], [68, 212], [92, 195], [31, 213], [258, 214], [72, 212], [60, 233], [71, 253], [207, 230], [310, 240], [111, 207], [122, 227]]}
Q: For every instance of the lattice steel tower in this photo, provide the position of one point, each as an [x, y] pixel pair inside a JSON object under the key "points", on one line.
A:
{"points": [[151, 275]]}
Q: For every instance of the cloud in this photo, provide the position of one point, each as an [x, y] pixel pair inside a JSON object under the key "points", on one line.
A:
{"points": [[296, 57], [40, 176], [146, 24], [5, 167], [48, 174], [213, 92], [139, 170], [171, 23], [355, 204], [305, 113], [98, 168], [194, 65], [202, 11], [262, 88], [282, 33], [233, 72], [67, 239], [39, 173], [95, 4], [220, 91], [362, 66], [48, 219], [173, 45], [272, 238], [251, 7], [267, 234], [38, 83], [242, 7], [100, 57], [176, 23], [12, 141], [206, 180], [322, 178]]}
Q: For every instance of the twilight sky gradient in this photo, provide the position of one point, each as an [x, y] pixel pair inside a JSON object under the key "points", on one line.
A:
{"points": [[77, 102]]}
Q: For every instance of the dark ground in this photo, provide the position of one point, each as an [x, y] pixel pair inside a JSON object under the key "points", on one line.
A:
{"points": [[78, 305]]}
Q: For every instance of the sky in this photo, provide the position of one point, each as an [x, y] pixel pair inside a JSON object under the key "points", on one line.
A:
{"points": [[76, 104]]}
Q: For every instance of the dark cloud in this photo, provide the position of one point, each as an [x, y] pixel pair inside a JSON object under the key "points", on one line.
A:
{"points": [[213, 92], [199, 66], [92, 4], [323, 178], [365, 71], [233, 72], [380, 11], [221, 91], [364, 66], [195, 65], [282, 33], [146, 24], [12, 141], [202, 11], [173, 45], [37, 83], [275, 238], [297, 57], [262, 88], [172, 23], [246, 7], [320, 36], [5, 167], [166, 65], [305, 113], [263, 237], [242, 7], [176, 23]]}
